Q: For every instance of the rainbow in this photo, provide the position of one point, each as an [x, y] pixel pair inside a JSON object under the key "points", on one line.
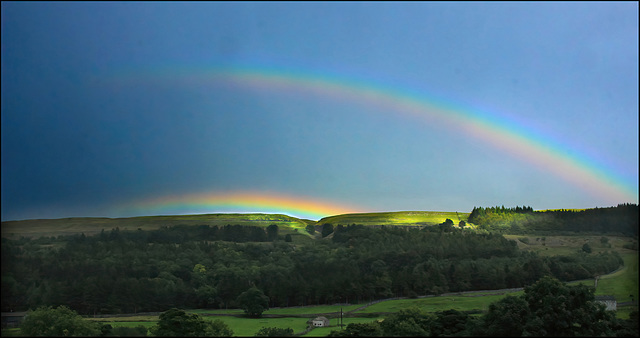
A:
{"points": [[240, 202], [580, 170]]}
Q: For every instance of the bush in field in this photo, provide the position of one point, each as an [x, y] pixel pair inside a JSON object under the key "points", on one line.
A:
{"points": [[61, 321], [274, 332], [125, 331], [177, 323]]}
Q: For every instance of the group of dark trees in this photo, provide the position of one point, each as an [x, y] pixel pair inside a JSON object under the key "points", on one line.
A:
{"points": [[63, 322], [621, 219], [210, 267], [547, 308]]}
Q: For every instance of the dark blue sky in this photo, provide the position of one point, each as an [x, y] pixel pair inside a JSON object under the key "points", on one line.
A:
{"points": [[102, 106]]}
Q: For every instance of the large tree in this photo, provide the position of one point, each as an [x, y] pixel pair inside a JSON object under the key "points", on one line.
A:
{"points": [[253, 302]]}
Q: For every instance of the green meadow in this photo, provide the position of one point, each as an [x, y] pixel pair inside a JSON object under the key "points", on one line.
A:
{"points": [[287, 224], [470, 302], [94, 225], [334, 324], [249, 326], [407, 218]]}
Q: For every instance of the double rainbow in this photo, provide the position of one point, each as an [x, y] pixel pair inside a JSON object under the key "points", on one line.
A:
{"points": [[579, 170]]}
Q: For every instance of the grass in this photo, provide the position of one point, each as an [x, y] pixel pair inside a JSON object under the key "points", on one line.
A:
{"points": [[397, 218], [94, 225], [312, 309], [479, 302], [142, 319], [623, 283], [334, 326], [246, 327], [12, 332]]}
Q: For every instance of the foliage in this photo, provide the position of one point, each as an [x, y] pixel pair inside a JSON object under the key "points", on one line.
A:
{"points": [[372, 329], [134, 271], [311, 229], [175, 322], [61, 321], [253, 302], [506, 317], [274, 332], [124, 331], [546, 308], [550, 308], [327, 229], [619, 219], [560, 310], [407, 323], [272, 232]]}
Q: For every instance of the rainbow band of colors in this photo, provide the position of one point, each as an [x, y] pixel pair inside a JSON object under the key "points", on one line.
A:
{"points": [[243, 202], [585, 174]]}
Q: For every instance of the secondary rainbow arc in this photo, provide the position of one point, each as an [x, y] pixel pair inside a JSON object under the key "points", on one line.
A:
{"points": [[582, 172]]}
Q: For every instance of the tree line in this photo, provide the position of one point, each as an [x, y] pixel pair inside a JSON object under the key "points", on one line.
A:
{"points": [[209, 267], [546, 308], [621, 219]]}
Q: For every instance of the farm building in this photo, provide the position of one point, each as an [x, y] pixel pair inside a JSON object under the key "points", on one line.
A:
{"points": [[12, 319], [320, 321], [608, 301]]}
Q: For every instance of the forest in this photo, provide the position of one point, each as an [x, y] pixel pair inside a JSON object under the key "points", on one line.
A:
{"points": [[210, 267], [621, 219]]}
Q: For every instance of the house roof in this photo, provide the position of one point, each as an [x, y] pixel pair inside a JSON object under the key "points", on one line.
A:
{"points": [[605, 297], [321, 318]]}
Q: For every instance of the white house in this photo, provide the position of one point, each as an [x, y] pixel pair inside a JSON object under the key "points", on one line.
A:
{"points": [[608, 301], [320, 321]]}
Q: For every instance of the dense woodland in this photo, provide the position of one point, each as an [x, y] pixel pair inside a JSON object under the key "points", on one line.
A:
{"points": [[209, 267], [622, 219]]}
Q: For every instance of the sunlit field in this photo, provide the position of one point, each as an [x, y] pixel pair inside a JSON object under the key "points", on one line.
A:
{"points": [[411, 218]]}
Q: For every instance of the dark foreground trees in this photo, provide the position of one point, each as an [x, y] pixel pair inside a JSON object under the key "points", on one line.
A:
{"points": [[57, 322], [177, 323], [548, 308]]}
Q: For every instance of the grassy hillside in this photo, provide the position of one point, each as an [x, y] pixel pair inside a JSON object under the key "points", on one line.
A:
{"points": [[287, 224], [397, 218], [93, 225]]}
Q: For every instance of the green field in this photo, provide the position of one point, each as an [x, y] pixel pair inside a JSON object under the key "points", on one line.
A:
{"points": [[334, 325], [397, 218], [249, 326], [313, 309], [288, 225], [472, 302], [94, 225]]}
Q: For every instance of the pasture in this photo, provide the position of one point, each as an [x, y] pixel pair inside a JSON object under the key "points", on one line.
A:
{"points": [[467, 302], [399, 218], [245, 327], [94, 225]]}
